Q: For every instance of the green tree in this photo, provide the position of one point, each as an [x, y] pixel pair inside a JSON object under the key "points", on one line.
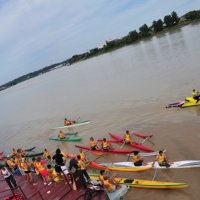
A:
{"points": [[192, 15], [144, 31], [157, 25], [133, 36], [175, 17], [168, 20]]}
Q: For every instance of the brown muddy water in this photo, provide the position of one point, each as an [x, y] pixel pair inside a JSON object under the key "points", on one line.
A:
{"points": [[125, 89]]}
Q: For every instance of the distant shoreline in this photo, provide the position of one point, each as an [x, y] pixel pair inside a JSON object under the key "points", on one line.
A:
{"points": [[170, 22]]}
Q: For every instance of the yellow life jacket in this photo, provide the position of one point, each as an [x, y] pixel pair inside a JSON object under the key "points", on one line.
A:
{"points": [[81, 164], [24, 166], [10, 163], [46, 154], [127, 138], [134, 158], [194, 93], [39, 166], [161, 159], [82, 155], [108, 185], [34, 165], [92, 143], [101, 178], [105, 144]]}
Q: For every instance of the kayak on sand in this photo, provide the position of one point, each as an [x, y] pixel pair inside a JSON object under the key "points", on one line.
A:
{"points": [[79, 123], [65, 139], [133, 144], [138, 183], [112, 151]]}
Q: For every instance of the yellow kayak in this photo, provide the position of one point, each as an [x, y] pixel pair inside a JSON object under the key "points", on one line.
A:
{"points": [[138, 183], [190, 101], [130, 169]]}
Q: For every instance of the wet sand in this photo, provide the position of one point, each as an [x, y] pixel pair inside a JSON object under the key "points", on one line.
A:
{"points": [[125, 89]]}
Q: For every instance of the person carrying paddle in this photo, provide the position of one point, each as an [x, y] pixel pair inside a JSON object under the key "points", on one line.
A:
{"points": [[127, 137], [61, 135], [162, 159], [105, 145], [138, 160], [93, 145]]}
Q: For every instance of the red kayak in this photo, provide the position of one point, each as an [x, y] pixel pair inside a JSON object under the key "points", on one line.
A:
{"points": [[1, 153], [116, 151], [140, 135], [134, 144]]}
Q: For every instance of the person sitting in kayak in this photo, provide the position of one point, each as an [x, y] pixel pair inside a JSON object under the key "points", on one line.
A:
{"points": [[105, 145], [127, 137], [195, 95], [67, 122], [61, 135], [93, 145], [162, 159], [138, 160]]}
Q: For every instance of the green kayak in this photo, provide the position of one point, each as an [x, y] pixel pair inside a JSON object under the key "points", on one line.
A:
{"points": [[70, 133], [35, 154], [65, 139]]}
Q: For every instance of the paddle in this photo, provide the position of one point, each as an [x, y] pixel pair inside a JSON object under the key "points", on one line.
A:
{"points": [[147, 138], [122, 145]]}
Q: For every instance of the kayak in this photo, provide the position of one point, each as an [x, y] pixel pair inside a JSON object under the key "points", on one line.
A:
{"points": [[110, 166], [175, 165], [140, 135], [1, 153], [134, 144], [31, 149], [155, 153], [177, 104], [79, 123], [190, 101], [138, 183], [112, 151], [65, 139], [70, 133], [35, 154]]}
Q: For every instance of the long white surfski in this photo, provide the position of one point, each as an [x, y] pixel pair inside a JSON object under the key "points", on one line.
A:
{"points": [[155, 153], [80, 123], [175, 165]]}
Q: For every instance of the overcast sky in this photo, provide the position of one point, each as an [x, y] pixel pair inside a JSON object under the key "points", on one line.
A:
{"points": [[38, 33]]}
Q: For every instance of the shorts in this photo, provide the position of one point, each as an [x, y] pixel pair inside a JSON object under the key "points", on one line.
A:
{"points": [[138, 163], [27, 172]]}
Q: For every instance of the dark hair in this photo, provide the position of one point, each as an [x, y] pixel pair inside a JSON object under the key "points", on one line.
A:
{"points": [[102, 172], [104, 139], [39, 159], [58, 151], [135, 152], [33, 159], [49, 166], [127, 131], [78, 157], [160, 151]]}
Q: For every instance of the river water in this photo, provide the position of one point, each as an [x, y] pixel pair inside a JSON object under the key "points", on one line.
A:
{"points": [[125, 89]]}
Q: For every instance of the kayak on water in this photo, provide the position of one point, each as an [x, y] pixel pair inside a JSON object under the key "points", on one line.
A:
{"points": [[140, 135], [65, 139], [133, 144], [155, 153], [110, 166], [70, 133], [79, 123], [190, 101], [31, 149], [112, 151], [138, 183], [177, 104], [175, 165]]}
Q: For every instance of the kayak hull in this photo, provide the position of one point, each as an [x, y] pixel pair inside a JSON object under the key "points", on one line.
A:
{"points": [[138, 183], [134, 144], [65, 139], [72, 125], [70, 133], [112, 151]]}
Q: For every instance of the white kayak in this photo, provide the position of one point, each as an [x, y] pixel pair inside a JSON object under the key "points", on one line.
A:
{"points": [[175, 165], [155, 153], [78, 123]]}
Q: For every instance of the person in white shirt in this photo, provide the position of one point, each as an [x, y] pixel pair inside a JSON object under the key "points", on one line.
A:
{"points": [[8, 177]]}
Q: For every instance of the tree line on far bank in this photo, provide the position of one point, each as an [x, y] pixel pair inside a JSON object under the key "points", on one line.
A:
{"points": [[145, 31]]}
